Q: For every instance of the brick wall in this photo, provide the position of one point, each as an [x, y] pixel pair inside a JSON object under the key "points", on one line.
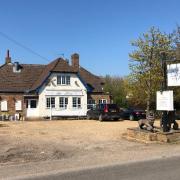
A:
{"points": [[11, 99], [98, 97]]}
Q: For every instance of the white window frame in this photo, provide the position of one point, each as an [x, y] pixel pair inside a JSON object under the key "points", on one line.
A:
{"points": [[49, 103], [63, 80], [18, 105], [102, 101], [91, 103], [30, 100], [76, 102], [4, 105], [63, 102]]}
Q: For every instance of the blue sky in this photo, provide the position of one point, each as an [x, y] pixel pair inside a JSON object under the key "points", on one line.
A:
{"points": [[99, 30]]}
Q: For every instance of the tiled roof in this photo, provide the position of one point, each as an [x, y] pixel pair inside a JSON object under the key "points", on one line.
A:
{"points": [[93, 81], [19, 82], [58, 65], [33, 76]]}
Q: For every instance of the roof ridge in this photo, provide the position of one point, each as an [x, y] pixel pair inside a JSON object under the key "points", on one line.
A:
{"points": [[56, 60], [45, 72], [3, 65], [33, 64]]}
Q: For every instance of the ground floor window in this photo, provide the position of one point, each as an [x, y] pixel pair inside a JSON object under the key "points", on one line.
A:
{"points": [[76, 102], [91, 103], [30, 103], [50, 102], [18, 105], [4, 106], [103, 101], [63, 102], [33, 103]]}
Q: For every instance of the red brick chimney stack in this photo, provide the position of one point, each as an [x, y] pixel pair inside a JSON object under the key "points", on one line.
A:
{"points": [[8, 58], [75, 61]]}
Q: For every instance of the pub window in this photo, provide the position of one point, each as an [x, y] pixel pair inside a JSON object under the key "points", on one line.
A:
{"points": [[63, 102], [33, 103], [76, 102], [103, 101], [68, 80], [91, 103], [63, 80], [50, 102], [4, 105], [18, 105]]}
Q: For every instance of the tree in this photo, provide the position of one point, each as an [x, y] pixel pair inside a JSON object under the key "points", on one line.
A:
{"points": [[145, 65], [176, 34], [115, 86]]}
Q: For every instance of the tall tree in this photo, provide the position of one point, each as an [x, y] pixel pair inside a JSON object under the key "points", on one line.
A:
{"points": [[176, 34], [145, 64], [115, 86]]}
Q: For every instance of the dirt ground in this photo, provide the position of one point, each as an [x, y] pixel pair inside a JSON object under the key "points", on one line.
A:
{"points": [[39, 141], [89, 141]]}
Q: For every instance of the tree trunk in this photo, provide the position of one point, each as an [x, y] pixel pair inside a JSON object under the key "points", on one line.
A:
{"points": [[148, 106]]}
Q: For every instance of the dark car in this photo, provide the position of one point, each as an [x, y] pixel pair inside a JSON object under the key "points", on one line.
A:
{"points": [[133, 114], [177, 114], [104, 112]]}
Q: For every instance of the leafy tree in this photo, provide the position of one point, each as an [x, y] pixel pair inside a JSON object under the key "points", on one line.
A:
{"points": [[176, 89], [115, 86], [145, 65]]}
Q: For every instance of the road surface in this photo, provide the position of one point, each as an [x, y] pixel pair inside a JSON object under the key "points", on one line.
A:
{"points": [[160, 169]]}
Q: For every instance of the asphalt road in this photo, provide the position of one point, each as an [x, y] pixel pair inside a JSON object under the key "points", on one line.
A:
{"points": [[161, 169]]}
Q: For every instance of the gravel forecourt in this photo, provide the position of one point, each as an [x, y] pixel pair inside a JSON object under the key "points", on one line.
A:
{"points": [[41, 146]]}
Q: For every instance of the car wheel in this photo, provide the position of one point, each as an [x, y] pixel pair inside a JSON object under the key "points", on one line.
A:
{"points": [[131, 117], [100, 117]]}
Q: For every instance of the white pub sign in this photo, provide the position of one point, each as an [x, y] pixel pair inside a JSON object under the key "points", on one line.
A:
{"points": [[164, 101], [173, 74]]}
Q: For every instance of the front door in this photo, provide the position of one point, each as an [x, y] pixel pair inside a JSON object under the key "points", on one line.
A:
{"points": [[32, 110]]}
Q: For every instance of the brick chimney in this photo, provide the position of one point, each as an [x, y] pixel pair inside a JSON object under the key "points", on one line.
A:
{"points": [[8, 58], [75, 61]]}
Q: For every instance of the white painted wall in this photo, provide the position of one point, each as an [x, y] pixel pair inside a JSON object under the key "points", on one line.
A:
{"points": [[75, 89]]}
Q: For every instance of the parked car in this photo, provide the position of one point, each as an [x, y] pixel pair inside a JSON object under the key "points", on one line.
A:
{"points": [[104, 112], [133, 114], [177, 114]]}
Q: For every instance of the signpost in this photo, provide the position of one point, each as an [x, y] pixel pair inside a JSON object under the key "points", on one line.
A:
{"points": [[164, 101]]}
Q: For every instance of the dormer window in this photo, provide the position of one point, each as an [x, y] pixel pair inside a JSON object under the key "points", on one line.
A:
{"points": [[16, 67], [63, 80]]}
